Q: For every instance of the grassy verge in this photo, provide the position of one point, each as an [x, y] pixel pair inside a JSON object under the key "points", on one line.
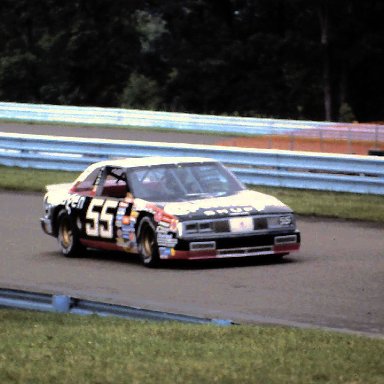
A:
{"points": [[331, 204], [304, 202], [29, 179], [49, 348]]}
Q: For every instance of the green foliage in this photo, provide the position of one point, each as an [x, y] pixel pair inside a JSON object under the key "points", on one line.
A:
{"points": [[346, 114], [141, 92], [50, 348], [250, 58]]}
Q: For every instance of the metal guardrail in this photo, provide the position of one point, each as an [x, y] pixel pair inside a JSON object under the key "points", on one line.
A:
{"points": [[190, 122], [44, 302], [343, 173]]}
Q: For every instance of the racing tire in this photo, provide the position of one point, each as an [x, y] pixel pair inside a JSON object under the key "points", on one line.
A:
{"points": [[147, 243], [67, 237]]}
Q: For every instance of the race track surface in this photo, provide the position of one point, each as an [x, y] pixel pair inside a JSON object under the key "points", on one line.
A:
{"points": [[336, 280]]}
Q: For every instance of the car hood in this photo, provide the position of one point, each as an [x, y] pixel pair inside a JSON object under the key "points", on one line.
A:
{"points": [[57, 193], [242, 203]]}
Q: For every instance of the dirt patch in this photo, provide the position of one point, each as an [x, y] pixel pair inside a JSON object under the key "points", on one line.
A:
{"points": [[295, 143]]}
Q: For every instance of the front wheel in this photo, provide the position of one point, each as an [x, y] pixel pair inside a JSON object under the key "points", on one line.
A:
{"points": [[69, 242], [147, 243]]}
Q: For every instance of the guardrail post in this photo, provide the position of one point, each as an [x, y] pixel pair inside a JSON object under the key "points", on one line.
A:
{"points": [[376, 136], [61, 303]]}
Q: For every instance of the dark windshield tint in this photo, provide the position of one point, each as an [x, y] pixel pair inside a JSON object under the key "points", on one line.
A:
{"points": [[182, 182]]}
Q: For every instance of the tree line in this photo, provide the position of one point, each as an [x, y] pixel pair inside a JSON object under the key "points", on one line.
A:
{"points": [[299, 59]]}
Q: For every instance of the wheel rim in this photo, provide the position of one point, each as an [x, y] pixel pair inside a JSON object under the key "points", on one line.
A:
{"points": [[66, 236], [147, 244]]}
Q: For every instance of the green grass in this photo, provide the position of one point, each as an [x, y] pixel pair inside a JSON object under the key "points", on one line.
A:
{"points": [[331, 204], [304, 202], [29, 179], [51, 348]]}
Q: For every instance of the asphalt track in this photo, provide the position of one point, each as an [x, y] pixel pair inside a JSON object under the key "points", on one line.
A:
{"points": [[335, 281]]}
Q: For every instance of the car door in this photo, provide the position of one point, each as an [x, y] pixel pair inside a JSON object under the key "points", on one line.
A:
{"points": [[103, 212]]}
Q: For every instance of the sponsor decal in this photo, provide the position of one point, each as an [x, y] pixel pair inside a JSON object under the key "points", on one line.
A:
{"points": [[125, 234], [126, 220], [121, 211], [165, 252], [164, 224], [285, 220], [127, 228], [243, 203], [162, 218], [129, 198], [212, 207], [74, 202], [166, 240], [229, 211], [241, 224]]}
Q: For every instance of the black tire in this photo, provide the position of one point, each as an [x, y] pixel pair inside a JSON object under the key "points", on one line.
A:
{"points": [[67, 236], [147, 243]]}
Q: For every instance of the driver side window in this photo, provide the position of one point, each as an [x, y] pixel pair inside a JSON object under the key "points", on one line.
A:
{"points": [[86, 187], [113, 183]]}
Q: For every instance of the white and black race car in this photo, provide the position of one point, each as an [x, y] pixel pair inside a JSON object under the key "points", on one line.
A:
{"points": [[167, 208]]}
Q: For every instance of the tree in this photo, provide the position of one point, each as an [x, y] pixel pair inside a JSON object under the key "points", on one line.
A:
{"points": [[316, 59]]}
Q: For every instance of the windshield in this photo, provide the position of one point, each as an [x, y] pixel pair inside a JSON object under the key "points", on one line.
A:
{"points": [[180, 182]]}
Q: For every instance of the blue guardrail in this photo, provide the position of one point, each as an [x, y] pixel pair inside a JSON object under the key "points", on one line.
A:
{"points": [[307, 170]]}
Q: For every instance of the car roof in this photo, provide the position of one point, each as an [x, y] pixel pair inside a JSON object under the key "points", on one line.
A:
{"points": [[132, 162]]}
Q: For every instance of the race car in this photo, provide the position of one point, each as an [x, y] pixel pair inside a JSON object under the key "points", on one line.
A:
{"points": [[167, 208]]}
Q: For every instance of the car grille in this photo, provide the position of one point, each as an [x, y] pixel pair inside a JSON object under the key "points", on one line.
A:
{"points": [[258, 224], [243, 252]]}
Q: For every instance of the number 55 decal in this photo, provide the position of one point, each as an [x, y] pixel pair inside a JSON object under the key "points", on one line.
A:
{"points": [[101, 224]]}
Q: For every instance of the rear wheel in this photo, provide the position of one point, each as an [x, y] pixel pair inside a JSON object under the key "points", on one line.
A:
{"points": [[67, 237], [147, 243]]}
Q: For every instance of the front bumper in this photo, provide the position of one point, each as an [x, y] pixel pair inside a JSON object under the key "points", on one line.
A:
{"points": [[46, 225], [256, 245]]}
